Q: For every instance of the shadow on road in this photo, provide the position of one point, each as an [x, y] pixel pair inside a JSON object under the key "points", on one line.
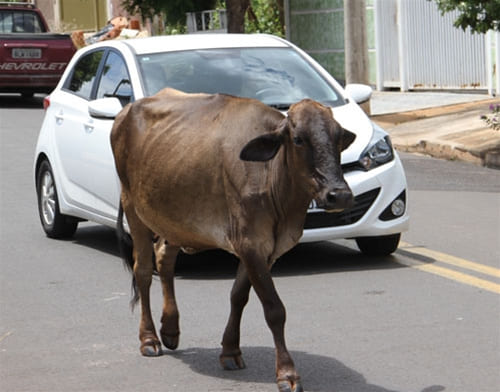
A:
{"points": [[319, 373], [304, 259], [98, 237], [15, 101]]}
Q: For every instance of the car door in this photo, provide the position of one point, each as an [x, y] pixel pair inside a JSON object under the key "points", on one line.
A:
{"points": [[71, 133], [114, 82], [83, 141]]}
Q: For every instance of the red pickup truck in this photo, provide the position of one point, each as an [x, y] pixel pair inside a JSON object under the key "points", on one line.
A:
{"points": [[32, 60]]}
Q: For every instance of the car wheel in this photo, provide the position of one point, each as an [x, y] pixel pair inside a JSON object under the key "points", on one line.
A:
{"points": [[378, 246], [55, 224]]}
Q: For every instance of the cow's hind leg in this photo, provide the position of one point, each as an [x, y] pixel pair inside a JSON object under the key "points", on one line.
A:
{"points": [[143, 273], [230, 357], [166, 256], [259, 274]]}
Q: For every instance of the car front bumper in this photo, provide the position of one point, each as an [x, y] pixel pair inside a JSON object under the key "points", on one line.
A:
{"points": [[374, 191]]}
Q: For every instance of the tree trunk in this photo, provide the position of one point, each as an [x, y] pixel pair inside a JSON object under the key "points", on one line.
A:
{"points": [[236, 10]]}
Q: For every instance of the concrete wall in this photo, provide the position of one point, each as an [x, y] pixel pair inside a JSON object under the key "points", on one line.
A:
{"points": [[47, 7], [82, 13]]}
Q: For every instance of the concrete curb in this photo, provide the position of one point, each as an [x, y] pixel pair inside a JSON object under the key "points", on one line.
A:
{"points": [[453, 132]]}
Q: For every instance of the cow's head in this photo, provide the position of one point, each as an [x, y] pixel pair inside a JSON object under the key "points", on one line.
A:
{"points": [[313, 141]]}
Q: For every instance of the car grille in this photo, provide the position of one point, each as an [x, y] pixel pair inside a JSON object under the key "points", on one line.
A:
{"points": [[320, 218]]}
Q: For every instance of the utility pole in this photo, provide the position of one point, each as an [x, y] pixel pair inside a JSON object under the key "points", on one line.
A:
{"points": [[355, 43]]}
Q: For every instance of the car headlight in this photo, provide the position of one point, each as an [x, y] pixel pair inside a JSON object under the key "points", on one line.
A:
{"points": [[379, 150]]}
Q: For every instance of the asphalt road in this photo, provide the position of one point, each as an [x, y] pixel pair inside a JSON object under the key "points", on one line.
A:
{"points": [[424, 320]]}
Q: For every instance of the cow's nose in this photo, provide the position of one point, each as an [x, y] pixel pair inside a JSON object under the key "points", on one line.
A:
{"points": [[331, 197], [339, 199]]}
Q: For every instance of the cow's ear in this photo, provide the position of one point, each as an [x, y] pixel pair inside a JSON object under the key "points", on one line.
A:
{"points": [[262, 148], [347, 139]]}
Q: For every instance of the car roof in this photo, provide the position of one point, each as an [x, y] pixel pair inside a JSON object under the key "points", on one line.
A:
{"points": [[169, 43]]}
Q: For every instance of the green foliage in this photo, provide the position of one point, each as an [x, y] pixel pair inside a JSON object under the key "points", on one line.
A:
{"points": [[174, 10], [479, 15], [263, 17], [179, 28]]}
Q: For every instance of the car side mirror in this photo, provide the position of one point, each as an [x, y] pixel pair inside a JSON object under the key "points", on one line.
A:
{"points": [[107, 108], [360, 93]]}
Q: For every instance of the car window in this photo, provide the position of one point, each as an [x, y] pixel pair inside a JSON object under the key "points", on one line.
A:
{"points": [[20, 22], [115, 80], [84, 73], [275, 76]]}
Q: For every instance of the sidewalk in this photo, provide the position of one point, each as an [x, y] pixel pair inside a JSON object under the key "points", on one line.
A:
{"points": [[440, 124]]}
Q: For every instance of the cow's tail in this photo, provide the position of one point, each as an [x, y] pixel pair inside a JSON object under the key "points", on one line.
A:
{"points": [[126, 246]]}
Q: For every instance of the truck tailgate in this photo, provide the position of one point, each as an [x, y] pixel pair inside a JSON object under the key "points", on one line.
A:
{"points": [[33, 60]]}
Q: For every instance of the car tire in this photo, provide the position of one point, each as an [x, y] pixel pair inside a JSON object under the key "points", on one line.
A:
{"points": [[55, 224], [378, 246]]}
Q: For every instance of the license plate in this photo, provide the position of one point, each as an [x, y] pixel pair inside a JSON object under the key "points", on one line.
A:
{"points": [[313, 206], [26, 53]]}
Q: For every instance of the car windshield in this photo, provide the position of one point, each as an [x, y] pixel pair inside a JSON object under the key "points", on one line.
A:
{"points": [[276, 76]]}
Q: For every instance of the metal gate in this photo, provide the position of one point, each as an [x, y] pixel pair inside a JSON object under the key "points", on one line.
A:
{"points": [[417, 47]]}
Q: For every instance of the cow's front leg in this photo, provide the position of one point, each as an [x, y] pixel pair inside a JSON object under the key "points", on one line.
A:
{"points": [[230, 357], [259, 274], [166, 257]]}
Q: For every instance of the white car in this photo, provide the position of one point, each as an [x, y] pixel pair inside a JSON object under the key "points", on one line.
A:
{"points": [[74, 167]]}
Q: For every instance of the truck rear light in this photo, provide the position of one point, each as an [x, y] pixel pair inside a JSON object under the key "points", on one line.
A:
{"points": [[46, 102]]}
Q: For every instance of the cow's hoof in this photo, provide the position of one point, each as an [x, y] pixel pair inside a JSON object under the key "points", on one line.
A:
{"points": [[151, 348], [289, 386], [170, 341], [232, 362]]}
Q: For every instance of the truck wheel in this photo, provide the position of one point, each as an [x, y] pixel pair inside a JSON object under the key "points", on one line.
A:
{"points": [[55, 224], [378, 246]]}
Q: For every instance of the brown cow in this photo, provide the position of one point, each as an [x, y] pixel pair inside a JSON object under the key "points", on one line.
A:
{"points": [[215, 171]]}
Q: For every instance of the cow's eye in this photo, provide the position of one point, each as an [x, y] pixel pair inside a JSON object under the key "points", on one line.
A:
{"points": [[298, 141]]}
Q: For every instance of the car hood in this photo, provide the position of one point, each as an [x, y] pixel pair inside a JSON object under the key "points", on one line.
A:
{"points": [[352, 118]]}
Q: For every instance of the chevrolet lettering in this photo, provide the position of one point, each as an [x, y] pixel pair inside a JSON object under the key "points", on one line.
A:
{"points": [[32, 66]]}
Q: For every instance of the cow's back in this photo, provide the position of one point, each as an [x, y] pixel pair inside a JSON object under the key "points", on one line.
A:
{"points": [[177, 156]]}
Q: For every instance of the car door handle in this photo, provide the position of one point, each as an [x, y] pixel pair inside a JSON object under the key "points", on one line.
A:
{"points": [[59, 117], [88, 126]]}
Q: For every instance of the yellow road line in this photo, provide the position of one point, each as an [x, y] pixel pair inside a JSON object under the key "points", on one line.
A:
{"points": [[452, 260], [459, 277], [5, 335], [451, 274]]}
